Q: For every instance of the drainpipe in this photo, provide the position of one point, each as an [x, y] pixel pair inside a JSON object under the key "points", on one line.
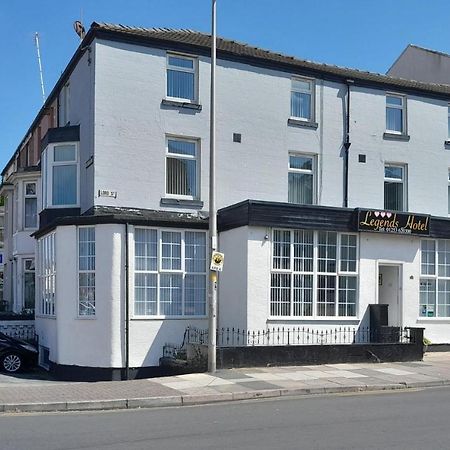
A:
{"points": [[127, 308], [347, 143]]}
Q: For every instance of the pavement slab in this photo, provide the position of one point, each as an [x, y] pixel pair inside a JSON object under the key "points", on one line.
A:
{"points": [[37, 392]]}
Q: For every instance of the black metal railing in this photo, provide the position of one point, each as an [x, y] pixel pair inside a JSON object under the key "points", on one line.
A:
{"points": [[236, 337], [25, 332]]}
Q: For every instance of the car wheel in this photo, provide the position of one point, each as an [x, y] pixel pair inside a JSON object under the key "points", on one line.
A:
{"points": [[11, 362]]}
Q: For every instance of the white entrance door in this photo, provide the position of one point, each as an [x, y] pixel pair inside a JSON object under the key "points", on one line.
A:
{"points": [[389, 292]]}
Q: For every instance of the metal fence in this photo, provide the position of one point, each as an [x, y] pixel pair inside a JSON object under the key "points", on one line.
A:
{"points": [[236, 337], [24, 331]]}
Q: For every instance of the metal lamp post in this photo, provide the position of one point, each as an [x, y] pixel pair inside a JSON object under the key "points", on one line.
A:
{"points": [[212, 325]]}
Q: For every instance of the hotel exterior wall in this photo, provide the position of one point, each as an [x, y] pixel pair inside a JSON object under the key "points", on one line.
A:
{"points": [[86, 341], [131, 127], [249, 243], [234, 296], [98, 341], [425, 155]]}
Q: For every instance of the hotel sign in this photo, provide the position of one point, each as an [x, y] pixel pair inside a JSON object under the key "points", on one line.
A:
{"points": [[393, 222]]}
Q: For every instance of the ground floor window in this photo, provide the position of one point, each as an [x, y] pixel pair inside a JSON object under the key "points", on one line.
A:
{"points": [[435, 278], [86, 271], [314, 273], [28, 285], [170, 272], [47, 274]]}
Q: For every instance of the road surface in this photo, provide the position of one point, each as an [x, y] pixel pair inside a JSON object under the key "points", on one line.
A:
{"points": [[393, 420]]}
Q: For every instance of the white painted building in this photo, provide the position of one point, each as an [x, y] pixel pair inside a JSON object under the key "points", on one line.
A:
{"points": [[307, 156]]}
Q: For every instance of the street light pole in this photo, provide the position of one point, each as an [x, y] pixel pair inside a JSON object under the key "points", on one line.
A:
{"points": [[212, 200]]}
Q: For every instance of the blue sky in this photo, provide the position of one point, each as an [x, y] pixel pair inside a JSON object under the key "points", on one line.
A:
{"points": [[364, 34]]}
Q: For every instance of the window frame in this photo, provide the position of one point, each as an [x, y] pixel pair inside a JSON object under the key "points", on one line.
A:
{"points": [[195, 158], [403, 108], [48, 158], [435, 277], [194, 70], [29, 196], [315, 273], [25, 271], [47, 275], [160, 271], [86, 271], [448, 191], [311, 92], [313, 172], [404, 182]]}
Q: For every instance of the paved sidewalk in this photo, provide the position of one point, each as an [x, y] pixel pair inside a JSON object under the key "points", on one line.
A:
{"points": [[40, 394]]}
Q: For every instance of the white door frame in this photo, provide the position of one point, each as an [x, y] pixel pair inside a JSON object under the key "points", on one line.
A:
{"points": [[399, 267]]}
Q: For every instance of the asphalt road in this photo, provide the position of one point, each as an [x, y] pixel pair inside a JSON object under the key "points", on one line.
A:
{"points": [[394, 420]]}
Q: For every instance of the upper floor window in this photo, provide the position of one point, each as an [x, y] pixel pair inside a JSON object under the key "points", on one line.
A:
{"points": [[302, 99], [182, 168], [64, 105], [395, 187], [60, 177], [395, 114], [30, 205], [182, 77], [301, 179]]}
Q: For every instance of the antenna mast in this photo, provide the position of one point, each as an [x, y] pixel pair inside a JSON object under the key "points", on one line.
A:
{"points": [[36, 41]]}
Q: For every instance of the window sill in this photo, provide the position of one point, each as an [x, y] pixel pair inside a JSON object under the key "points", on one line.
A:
{"points": [[44, 316], [86, 318], [152, 318], [313, 319], [198, 204], [181, 104], [444, 320], [396, 137], [302, 123]]}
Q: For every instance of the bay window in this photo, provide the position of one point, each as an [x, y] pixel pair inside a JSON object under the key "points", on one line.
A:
{"points": [[47, 274], [170, 273], [60, 175], [86, 271], [314, 274]]}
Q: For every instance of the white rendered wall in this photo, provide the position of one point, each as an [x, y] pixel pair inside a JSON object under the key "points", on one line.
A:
{"points": [[131, 127], [425, 155], [98, 341], [233, 282], [81, 112]]}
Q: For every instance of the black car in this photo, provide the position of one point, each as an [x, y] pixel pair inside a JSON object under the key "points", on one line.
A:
{"points": [[15, 354]]}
